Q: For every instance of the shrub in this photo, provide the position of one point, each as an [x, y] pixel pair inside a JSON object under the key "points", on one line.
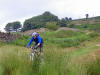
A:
{"points": [[71, 25], [52, 25], [22, 40]]}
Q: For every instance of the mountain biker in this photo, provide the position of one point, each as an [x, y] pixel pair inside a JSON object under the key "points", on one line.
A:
{"points": [[38, 42]]}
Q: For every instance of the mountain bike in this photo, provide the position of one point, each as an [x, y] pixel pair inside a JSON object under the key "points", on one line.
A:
{"points": [[34, 54]]}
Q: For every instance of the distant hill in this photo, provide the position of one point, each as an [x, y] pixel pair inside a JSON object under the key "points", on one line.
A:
{"points": [[91, 20], [96, 18]]}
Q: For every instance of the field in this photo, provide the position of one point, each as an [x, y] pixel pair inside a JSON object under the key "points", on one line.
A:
{"points": [[65, 53]]}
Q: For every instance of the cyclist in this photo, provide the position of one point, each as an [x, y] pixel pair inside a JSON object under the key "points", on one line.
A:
{"points": [[38, 42]]}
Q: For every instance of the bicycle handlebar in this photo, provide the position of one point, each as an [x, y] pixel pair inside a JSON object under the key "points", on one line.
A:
{"points": [[30, 47]]}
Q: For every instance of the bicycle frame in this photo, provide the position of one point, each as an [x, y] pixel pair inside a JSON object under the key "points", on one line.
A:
{"points": [[32, 54]]}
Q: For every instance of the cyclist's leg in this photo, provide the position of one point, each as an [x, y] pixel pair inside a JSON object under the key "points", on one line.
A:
{"points": [[41, 48], [41, 53]]}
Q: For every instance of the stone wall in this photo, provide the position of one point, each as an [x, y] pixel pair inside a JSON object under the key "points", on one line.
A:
{"points": [[7, 37]]}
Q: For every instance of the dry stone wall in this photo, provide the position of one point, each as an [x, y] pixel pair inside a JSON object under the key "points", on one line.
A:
{"points": [[7, 37]]}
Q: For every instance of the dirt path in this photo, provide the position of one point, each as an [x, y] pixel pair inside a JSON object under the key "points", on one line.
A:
{"points": [[41, 30], [97, 44], [66, 28]]}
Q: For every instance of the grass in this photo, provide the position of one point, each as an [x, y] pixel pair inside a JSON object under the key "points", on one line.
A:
{"points": [[14, 61], [2, 44], [94, 68], [22, 40], [58, 60], [94, 27]]}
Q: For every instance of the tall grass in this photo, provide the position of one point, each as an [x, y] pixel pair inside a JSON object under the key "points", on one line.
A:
{"points": [[94, 68], [90, 67], [56, 62], [14, 61]]}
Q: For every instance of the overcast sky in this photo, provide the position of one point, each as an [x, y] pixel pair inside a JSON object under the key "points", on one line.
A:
{"points": [[19, 10]]}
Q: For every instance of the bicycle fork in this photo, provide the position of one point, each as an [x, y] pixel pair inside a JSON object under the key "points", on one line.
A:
{"points": [[31, 56]]}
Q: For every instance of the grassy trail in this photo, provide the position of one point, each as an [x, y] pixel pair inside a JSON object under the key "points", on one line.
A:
{"points": [[87, 47], [85, 51]]}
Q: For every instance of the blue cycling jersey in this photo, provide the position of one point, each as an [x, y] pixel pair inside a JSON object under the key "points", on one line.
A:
{"points": [[37, 40]]}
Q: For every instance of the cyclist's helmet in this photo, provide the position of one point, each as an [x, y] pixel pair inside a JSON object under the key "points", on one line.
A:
{"points": [[34, 34]]}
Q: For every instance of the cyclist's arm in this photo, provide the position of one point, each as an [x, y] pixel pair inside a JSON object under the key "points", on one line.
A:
{"points": [[38, 44], [30, 42], [40, 41]]}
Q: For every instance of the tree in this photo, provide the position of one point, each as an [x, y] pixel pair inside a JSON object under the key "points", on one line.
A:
{"points": [[39, 21], [8, 27], [70, 19], [87, 16], [14, 26], [63, 22], [67, 19]]}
